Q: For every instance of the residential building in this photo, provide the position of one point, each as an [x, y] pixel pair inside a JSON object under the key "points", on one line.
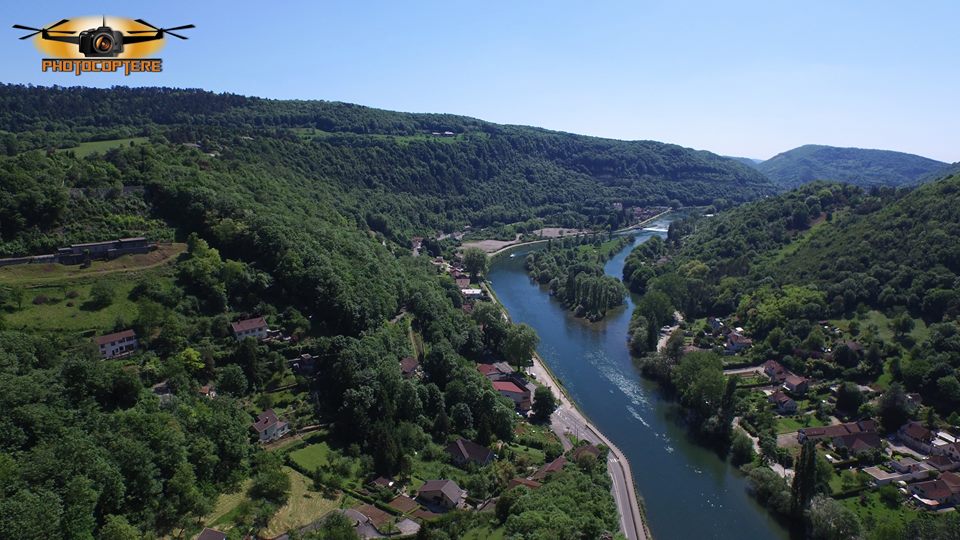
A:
{"points": [[529, 484], [904, 470], [549, 468], [521, 396], [839, 430], [796, 384], [256, 328], [269, 427], [774, 370], [497, 371], [942, 463], [940, 493], [917, 437], [410, 367], [117, 344], [858, 443], [163, 392], [207, 391], [737, 342], [472, 293], [951, 450], [463, 282], [784, 403], [211, 534], [463, 451], [305, 364], [443, 493]]}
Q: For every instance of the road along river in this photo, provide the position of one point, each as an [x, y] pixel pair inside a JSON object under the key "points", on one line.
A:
{"points": [[689, 492]]}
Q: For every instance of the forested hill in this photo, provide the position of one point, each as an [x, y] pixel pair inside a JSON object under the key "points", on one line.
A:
{"points": [[485, 170], [856, 166]]}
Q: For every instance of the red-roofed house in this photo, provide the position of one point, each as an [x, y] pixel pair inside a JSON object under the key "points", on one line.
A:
{"points": [[444, 493], [784, 403], [117, 344], [529, 484], [858, 443], [839, 430], [939, 493], [520, 395], [256, 328], [775, 371], [548, 469], [410, 367], [269, 427]]}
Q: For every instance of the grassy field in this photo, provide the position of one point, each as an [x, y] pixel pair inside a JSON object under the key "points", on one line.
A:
{"points": [[65, 291], [312, 456], [873, 512], [485, 532], [882, 323], [93, 147], [33, 274], [226, 507], [304, 506], [789, 424]]}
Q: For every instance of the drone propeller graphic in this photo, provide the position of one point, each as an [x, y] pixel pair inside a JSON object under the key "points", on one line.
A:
{"points": [[160, 31], [47, 29]]}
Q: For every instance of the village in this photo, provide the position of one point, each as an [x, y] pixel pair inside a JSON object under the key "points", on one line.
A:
{"points": [[378, 506], [919, 460]]}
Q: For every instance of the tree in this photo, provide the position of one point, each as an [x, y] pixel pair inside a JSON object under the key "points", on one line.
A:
{"points": [[507, 501], [741, 448], [805, 479], [16, 295], [902, 324], [101, 294], [849, 398], [475, 261], [336, 526], [830, 520], [893, 408], [520, 344], [118, 528], [231, 380], [544, 403]]}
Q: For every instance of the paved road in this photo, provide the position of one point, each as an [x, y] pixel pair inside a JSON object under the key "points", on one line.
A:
{"points": [[567, 419]]}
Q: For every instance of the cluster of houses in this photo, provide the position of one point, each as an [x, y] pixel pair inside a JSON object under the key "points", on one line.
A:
{"points": [[123, 343], [734, 339], [787, 382], [929, 475], [510, 384]]}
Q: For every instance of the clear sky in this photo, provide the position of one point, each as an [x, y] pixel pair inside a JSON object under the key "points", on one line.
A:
{"points": [[745, 78]]}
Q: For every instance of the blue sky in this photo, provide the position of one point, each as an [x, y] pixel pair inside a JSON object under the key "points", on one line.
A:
{"points": [[736, 77]]}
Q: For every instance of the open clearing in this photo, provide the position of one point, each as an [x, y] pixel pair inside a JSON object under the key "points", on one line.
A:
{"points": [[93, 147], [31, 274]]}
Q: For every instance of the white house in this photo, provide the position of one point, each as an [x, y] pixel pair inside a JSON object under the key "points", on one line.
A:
{"points": [[256, 328], [117, 344]]}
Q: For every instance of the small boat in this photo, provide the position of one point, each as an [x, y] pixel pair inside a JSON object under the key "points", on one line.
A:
{"points": [[512, 255]]}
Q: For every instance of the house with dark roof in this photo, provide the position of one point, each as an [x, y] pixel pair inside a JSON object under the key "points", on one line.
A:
{"points": [[525, 482], [737, 342], [858, 443], [463, 451], [444, 494], [839, 430], [784, 403], [774, 370], [942, 463], [269, 427], [211, 534], [951, 450], [410, 367], [796, 384], [584, 450], [549, 468], [256, 328], [917, 437], [305, 365], [117, 344], [496, 371]]}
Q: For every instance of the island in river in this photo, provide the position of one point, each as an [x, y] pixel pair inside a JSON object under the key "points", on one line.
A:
{"points": [[688, 491]]}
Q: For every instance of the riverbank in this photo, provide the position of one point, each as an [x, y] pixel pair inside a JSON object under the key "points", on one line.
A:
{"points": [[568, 419], [507, 249]]}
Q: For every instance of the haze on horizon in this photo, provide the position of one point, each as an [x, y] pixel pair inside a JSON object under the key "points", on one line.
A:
{"points": [[743, 78]]}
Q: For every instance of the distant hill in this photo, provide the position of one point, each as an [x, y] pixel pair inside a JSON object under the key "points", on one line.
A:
{"points": [[749, 162], [856, 166], [949, 170]]}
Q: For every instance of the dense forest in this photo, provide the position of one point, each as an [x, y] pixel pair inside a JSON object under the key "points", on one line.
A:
{"points": [[573, 270], [857, 166]]}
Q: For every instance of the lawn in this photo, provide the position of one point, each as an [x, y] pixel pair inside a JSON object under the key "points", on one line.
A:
{"points": [[56, 296], [882, 323], [35, 274], [92, 147], [313, 456], [485, 532], [226, 508], [788, 424], [304, 506], [874, 512]]}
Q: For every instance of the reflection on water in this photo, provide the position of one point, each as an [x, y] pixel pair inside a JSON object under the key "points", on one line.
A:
{"points": [[689, 491]]}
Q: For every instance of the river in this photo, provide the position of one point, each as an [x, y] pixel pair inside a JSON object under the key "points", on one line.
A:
{"points": [[689, 491]]}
